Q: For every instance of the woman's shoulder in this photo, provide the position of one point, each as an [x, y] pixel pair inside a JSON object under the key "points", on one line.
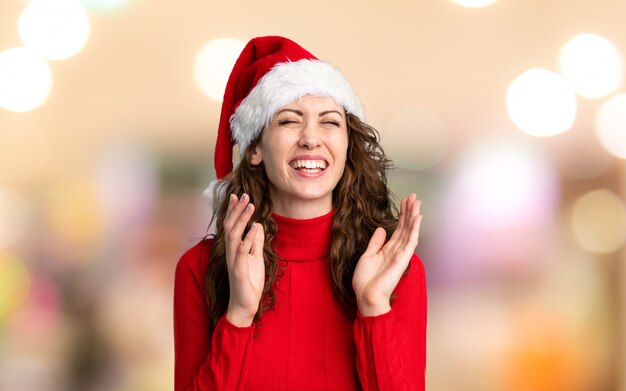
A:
{"points": [[194, 260]]}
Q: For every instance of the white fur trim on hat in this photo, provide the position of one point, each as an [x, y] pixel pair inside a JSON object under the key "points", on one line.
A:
{"points": [[283, 84]]}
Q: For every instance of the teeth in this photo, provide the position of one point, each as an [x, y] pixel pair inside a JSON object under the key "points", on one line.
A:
{"points": [[309, 164]]}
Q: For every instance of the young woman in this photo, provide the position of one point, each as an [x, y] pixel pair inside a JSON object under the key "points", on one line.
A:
{"points": [[310, 281]]}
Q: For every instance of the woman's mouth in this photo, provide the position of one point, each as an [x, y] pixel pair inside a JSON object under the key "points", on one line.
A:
{"points": [[309, 166]]}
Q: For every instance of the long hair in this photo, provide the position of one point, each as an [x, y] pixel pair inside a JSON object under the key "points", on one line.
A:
{"points": [[362, 202]]}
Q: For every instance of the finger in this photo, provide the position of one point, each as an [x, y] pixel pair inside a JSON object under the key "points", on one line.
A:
{"points": [[232, 200], [240, 252], [246, 244], [376, 242], [413, 208], [399, 235], [410, 242], [406, 210], [410, 206], [406, 234], [242, 222], [259, 240], [414, 205], [236, 211], [402, 213], [415, 231], [234, 236], [417, 205]]}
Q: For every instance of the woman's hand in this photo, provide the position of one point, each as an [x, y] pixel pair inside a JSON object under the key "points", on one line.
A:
{"points": [[244, 259], [379, 269]]}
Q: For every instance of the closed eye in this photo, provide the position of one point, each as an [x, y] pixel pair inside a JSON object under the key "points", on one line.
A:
{"points": [[334, 123]]}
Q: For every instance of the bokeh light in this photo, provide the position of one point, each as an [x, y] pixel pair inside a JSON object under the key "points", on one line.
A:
{"points": [[416, 138], [545, 355], [598, 221], [14, 282], [592, 64], [39, 315], [74, 215], [474, 3], [14, 216], [25, 79], [504, 183], [23, 151], [104, 4], [58, 29], [541, 103], [611, 125], [213, 64], [498, 211]]}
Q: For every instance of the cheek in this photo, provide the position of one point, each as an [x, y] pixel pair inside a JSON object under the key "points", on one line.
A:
{"points": [[342, 166], [341, 151], [270, 167], [272, 162], [340, 158]]}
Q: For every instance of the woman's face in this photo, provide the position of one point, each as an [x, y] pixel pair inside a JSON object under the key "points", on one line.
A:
{"points": [[304, 151]]}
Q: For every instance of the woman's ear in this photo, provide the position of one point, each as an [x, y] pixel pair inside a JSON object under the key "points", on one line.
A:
{"points": [[255, 154]]}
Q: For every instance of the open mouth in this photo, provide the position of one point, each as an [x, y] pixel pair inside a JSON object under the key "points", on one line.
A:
{"points": [[311, 166]]}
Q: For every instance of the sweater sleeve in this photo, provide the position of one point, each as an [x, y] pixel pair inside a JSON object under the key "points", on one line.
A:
{"points": [[203, 360], [391, 348]]}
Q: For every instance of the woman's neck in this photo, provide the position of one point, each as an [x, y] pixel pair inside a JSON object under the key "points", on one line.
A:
{"points": [[302, 210]]}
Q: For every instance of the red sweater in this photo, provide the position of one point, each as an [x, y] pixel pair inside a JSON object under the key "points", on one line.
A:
{"points": [[306, 342]]}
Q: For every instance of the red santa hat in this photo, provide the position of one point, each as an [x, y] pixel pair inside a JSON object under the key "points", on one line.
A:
{"points": [[270, 73]]}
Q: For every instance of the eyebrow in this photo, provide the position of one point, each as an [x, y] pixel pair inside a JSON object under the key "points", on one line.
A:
{"points": [[300, 113], [332, 111], [291, 110]]}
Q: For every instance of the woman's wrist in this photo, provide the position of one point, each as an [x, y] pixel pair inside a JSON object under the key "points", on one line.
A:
{"points": [[239, 318], [373, 306], [374, 310]]}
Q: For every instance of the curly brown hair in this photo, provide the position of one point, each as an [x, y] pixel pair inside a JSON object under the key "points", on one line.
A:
{"points": [[362, 201]]}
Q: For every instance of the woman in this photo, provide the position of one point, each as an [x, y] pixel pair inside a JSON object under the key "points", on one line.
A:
{"points": [[310, 282]]}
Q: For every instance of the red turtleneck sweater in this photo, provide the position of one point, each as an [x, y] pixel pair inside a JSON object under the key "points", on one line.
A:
{"points": [[306, 342]]}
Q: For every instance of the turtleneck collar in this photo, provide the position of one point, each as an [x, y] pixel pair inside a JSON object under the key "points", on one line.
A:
{"points": [[303, 240]]}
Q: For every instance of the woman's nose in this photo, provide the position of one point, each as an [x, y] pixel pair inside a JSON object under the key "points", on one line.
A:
{"points": [[310, 136]]}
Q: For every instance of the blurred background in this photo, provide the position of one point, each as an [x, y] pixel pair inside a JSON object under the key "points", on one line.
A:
{"points": [[508, 118]]}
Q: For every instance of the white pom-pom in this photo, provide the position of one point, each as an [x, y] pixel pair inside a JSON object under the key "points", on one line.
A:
{"points": [[208, 192]]}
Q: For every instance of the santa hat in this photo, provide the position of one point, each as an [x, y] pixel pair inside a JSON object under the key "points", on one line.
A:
{"points": [[270, 73]]}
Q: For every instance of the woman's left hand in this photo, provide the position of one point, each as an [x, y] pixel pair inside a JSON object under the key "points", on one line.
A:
{"points": [[381, 266]]}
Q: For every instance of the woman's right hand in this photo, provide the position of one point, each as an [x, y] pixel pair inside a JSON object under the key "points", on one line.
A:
{"points": [[244, 259]]}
